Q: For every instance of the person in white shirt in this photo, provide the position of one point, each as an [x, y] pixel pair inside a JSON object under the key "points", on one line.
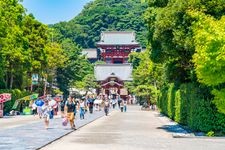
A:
{"points": [[82, 108], [46, 110]]}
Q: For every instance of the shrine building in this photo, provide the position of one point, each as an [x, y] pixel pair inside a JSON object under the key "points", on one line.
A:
{"points": [[114, 48]]}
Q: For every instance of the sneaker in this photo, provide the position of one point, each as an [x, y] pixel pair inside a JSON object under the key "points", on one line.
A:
{"points": [[74, 128]]}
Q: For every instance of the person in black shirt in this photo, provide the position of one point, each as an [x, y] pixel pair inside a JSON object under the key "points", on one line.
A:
{"points": [[90, 101], [69, 109]]}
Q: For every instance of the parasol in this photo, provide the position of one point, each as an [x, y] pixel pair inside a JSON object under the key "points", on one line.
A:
{"points": [[39, 102]]}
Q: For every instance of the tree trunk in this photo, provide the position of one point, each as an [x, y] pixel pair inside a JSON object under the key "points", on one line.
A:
{"points": [[7, 81], [11, 80]]}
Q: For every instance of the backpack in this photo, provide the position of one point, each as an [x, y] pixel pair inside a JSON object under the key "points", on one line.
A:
{"points": [[91, 102]]}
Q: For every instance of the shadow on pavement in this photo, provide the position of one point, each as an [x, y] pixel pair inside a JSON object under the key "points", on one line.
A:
{"points": [[172, 128]]}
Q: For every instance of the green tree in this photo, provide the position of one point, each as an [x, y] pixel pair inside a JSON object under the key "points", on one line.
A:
{"points": [[11, 42], [171, 36], [87, 84], [75, 67], [144, 82], [209, 59], [102, 15]]}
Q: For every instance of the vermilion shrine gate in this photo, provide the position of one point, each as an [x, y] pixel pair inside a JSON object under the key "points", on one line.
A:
{"points": [[114, 48]]}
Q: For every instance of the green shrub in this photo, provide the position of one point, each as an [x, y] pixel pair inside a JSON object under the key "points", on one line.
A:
{"points": [[171, 101], [192, 105], [162, 102], [177, 107]]}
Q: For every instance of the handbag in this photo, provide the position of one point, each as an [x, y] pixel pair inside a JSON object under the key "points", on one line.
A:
{"points": [[64, 121]]}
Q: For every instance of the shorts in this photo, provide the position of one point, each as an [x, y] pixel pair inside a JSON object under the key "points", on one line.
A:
{"points": [[70, 116]]}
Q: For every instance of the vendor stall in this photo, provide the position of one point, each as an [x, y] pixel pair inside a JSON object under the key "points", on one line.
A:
{"points": [[24, 104], [3, 98]]}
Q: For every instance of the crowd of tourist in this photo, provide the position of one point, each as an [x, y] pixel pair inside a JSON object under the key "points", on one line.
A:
{"points": [[73, 108]]}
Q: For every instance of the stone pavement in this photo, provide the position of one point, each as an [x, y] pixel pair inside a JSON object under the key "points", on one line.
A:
{"points": [[133, 130], [33, 135]]}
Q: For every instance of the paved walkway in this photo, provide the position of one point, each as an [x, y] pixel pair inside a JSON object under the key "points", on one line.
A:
{"points": [[133, 130], [32, 135]]}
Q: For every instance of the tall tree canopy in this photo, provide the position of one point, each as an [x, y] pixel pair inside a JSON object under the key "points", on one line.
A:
{"points": [[188, 38], [27, 46], [171, 34], [102, 15], [209, 59]]}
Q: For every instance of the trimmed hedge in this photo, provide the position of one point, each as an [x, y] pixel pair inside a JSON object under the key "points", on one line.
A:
{"points": [[171, 101], [187, 105]]}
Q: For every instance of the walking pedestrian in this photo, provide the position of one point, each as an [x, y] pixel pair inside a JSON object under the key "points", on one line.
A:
{"points": [[90, 102], [125, 105], [34, 109], [62, 106], [46, 110], [119, 100], [82, 108], [76, 106], [121, 105], [69, 111], [39, 111], [106, 106], [114, 103]]}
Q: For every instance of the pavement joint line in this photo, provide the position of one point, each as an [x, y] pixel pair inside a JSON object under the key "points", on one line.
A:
{"points": [[71, 131]]}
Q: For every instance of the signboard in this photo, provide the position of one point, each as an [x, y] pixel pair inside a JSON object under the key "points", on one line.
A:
{"points": [[34, 78]]}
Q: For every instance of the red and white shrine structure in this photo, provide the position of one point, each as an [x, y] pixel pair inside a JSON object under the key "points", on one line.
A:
{"points": [[114, 48]]}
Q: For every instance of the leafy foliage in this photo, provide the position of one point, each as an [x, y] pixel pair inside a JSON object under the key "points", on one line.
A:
{"points": [[145, 82], [192, 109], [209, 58], [171, 34], [104, 15], [28, 46], [75, 66], [187, 37]]}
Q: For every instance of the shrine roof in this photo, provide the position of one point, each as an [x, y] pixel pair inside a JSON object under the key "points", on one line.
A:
{"points": [[122, 71], [91, 53], [118, 38]]}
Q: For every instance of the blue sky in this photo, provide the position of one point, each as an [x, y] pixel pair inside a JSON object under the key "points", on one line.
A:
{"points": [[54, 11]]}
